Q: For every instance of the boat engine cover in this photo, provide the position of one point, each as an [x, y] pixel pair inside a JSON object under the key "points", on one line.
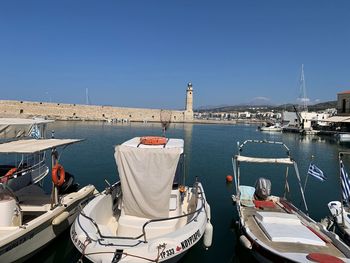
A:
{"points": [[262, 188]]}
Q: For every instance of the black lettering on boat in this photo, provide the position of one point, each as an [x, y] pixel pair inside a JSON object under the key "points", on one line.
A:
{"points": [[192, 239], [17, 242], [167, 253]]}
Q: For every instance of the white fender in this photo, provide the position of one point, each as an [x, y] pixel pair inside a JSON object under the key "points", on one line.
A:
{"points": [[208, 235], [60, 218], [245, 242], [207, 208]]}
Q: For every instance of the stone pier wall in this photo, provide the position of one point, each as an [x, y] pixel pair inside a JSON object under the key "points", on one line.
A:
{"points": [[61, 111]]}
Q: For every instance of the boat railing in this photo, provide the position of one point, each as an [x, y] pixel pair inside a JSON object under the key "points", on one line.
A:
{"points": [[102, 237], [31, 167], [175, 217]]}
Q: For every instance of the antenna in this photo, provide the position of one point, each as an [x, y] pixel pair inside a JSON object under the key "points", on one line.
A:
{"points": [[303, 100], [87, 100], [165, 119]]}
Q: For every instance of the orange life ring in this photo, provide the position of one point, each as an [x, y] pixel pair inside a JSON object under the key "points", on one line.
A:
{"points": [[6, 177], [58, 181], [153, 140]]}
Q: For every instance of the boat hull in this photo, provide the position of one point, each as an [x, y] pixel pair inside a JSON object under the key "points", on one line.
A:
{"points": [[262, 252], [168, 247]]}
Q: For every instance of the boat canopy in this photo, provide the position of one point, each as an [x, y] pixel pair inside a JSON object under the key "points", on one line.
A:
{"points": [[33, 145], [14, 128], [241, 158], [146, 174], [16, 121]]}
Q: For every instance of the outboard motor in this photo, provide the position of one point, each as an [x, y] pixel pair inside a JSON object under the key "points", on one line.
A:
{"points": [[262, 188], [69, 185]]}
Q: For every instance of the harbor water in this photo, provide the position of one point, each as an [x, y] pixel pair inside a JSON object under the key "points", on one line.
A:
{"points": [[209, 150]]}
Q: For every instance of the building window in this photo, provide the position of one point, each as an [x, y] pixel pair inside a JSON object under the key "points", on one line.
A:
{"points": [[174, 117], [130, 116], [343, 110], [21, 111]]}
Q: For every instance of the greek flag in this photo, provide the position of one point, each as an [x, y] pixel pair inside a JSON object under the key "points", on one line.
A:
{"points": [[35, 132], [316, 172], [345, 183]]}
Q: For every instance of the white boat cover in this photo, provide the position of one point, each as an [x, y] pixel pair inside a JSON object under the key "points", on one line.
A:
{"points": [[281, 227], [146, 175], [241, 158], [338, 119], [15, 128], [33, 145]]}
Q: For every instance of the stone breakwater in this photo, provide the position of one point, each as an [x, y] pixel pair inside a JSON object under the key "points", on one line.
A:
{"points": [[62, 111]]}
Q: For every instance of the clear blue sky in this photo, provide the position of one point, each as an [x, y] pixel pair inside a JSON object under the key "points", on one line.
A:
{"points": [[143, 53]]}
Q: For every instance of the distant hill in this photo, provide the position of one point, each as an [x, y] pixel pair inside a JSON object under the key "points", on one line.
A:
{"points": [[286, 107]]}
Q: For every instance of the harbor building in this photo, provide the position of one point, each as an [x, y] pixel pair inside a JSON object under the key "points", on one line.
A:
{"points": [[63, 111], [343, 103]]}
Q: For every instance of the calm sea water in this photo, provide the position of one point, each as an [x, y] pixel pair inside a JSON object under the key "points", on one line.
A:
{"points": [[209, 149]]}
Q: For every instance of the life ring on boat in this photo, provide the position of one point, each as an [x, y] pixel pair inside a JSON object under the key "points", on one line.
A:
{"points": [[6, 177], [58, 180], [153, 140], [182, 189]]}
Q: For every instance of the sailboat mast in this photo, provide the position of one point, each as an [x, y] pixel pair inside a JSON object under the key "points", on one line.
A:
{"points": [[302, 97]]}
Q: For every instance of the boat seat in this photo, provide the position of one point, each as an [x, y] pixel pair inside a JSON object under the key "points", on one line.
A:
{"points": [[283, 227], [247, 195], [131, 226]]}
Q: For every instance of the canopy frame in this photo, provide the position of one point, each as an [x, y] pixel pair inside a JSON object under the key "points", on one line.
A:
{"points": [[237, 159]]}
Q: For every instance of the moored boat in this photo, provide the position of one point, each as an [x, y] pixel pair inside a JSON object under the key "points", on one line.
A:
{"points": [[340, 210], [272, 227], [272, 128], [31, 218], [18, 170], [150, 215]]}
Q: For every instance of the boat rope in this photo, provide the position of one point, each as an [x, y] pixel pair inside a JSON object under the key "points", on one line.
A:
{"points": [[125, 254], [86, 243]]}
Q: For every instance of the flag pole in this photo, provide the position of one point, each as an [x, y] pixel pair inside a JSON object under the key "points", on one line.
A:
{"points": [[341, 192], [307, 174]]}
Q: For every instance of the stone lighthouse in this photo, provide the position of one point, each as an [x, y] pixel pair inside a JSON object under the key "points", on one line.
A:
{"points": [[189, 103]]}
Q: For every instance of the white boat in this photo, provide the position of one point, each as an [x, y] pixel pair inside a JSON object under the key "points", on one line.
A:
{"points": [[340, 210], [30, 218], [18, 170], [147, 216], [343, 137], [272, 128], [271, 227]]}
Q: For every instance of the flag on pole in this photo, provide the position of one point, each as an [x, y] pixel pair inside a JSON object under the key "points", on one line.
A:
{"points": [[345, 183], [316, 172], [35, 132]]}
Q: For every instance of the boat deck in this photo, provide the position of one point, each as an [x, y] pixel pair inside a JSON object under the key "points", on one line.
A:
{"points": [[322, 244]]}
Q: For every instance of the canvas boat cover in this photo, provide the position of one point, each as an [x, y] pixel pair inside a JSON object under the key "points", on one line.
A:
{"points": [[241, 158], [146, 174], [282, 227], [33, 145], [14, 128]]}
